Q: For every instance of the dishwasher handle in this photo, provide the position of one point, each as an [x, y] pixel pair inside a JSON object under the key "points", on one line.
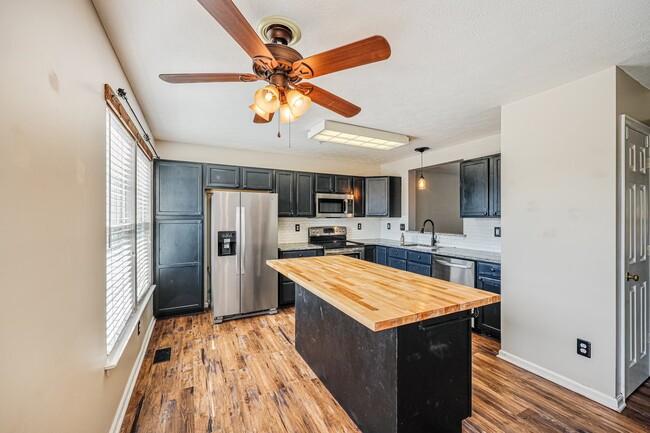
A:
{"points": [[451, 265]]}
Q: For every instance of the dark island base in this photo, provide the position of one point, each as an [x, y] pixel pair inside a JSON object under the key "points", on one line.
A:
{"points": [[411, 379]]}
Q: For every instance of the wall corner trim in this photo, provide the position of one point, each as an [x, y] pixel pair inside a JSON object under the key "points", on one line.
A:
{"points": [[133, 377], [615, 403]]}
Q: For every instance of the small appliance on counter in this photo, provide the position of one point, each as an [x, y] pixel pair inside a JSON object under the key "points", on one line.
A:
{"points": [[243, 235], [334, 206], [334, 241]]}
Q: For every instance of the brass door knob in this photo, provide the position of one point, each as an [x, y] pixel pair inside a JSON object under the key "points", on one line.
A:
{"points": [[629, 277]]}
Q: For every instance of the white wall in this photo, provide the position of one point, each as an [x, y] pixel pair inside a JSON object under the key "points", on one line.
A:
{"points": [[472, 149], [223, 155], [558, 155], [55, 61]]}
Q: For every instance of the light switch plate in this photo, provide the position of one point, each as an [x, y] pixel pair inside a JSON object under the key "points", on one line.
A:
{"points": [[402, 226]]}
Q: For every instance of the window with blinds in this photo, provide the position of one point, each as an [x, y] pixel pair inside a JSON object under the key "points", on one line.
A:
{"points": [[128, 228]]}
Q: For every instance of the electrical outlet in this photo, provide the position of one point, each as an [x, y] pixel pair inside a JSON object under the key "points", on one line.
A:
{"points": [[584, 348], [297, 227], [388, 226], [138, 327], [358, 226], [497, 232], [402, 226]]}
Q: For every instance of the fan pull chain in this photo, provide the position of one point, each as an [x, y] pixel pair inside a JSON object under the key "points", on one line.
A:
{"points": [[279, 135]]}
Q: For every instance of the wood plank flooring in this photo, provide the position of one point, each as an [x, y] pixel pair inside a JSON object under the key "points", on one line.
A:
{"points": [[245, 376]]}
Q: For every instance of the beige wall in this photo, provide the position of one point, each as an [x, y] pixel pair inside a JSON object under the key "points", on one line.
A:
{"points": [[440, 201], [222, 155], [55, 60], [558, 155]]}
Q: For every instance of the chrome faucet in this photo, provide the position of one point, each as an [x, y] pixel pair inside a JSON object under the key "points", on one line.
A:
{"points": [[433, 231]]}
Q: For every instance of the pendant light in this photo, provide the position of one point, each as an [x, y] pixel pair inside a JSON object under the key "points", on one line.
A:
{"points": [[422, 182]]}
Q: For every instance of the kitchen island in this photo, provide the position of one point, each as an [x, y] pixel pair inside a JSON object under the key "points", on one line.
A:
{"points": [[393, 347]]}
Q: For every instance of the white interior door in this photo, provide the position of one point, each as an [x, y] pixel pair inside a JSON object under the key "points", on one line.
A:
{"points": [[635, 248]]}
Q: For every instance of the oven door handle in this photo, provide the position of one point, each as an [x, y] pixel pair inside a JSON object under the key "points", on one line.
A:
{"points": [[343, 251]]}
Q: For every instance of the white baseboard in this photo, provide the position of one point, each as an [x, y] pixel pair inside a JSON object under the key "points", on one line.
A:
{"points": [[133, 377], [616, 403]]}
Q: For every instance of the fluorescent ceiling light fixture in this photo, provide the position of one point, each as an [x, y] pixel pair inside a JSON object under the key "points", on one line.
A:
{"points": [[344, 133]]}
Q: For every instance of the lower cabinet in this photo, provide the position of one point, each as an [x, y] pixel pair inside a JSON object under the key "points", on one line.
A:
{"points": [[418, 268], [369, 253], [286, 287], [381, 255], [489, 319], [397, 263]]}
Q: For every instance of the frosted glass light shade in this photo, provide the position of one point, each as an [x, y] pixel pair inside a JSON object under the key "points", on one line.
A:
{"points": [[298, 103], [285, 114], [268, 99], [422, 183], [259, 111]]}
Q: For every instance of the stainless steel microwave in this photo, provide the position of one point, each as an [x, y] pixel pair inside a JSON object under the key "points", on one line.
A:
{"points": [[334, 205]]}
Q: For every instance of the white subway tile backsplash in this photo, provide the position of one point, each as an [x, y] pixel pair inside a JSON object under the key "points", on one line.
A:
{"points": [[370, 228]]}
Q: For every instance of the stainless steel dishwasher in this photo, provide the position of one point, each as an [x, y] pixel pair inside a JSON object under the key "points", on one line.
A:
{"points": [[454, 270]]}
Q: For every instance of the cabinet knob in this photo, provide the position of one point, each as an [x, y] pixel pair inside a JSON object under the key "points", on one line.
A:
{"points": [[485, 213], [491, 269]]}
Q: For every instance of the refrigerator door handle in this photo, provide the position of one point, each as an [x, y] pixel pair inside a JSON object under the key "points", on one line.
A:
{"points": [[238, 239], [243, 241]]}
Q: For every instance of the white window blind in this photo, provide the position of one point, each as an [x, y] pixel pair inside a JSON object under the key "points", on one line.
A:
{"points": [[128, 227]]}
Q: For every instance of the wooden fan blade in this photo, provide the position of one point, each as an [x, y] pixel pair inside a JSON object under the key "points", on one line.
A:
{"points": [[207, 78], [328, 100], [260, 119], [233, 22], [369, 50]]}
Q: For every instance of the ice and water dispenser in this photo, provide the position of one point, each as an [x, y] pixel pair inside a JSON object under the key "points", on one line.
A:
{"points": [[226, 243]]}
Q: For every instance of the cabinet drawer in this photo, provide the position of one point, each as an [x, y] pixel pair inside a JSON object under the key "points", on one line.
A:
{"points": [[298, 253], [397, 263], [418, 268], [415, 256], [490, 270], [397, 253]]}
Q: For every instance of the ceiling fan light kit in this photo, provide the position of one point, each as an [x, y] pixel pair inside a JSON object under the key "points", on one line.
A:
{"points": [[282, 66], [344, 133]]}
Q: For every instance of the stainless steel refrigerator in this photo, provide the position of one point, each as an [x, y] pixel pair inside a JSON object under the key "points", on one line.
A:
{"points": [[243, 235]]}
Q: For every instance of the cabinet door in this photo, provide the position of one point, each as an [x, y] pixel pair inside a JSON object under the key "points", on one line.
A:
{"points": [[474, 187], [359, 191], [305, 195], [178, 267], [381, 255], [260, 179], [377, 196], [495, 186], [221, 176], [369, 253], [489, 320], [324, 183], [397, 263], [286, 189], [179, 188], [343, 184], [419, 268]]}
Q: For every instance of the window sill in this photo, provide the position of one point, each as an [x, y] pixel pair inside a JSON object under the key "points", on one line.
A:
{"points": [[114, 357]]}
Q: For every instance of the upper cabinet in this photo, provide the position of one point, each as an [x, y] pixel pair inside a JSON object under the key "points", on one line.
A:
{"points": [[324, 183], [343, 184], [221, 176], [295, 193], [179, 188], [305, 206], [359, 191], [480, 187], [383, 196], [260, 179]]}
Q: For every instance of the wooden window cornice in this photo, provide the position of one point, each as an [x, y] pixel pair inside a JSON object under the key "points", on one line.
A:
{"points": [[117, 108]]}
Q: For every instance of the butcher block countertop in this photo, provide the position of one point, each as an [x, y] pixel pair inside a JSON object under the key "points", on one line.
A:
{"points": [[377, 296]]}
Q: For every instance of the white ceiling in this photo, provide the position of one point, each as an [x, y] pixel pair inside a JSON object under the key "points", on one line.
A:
{"points": [[453, 64]]}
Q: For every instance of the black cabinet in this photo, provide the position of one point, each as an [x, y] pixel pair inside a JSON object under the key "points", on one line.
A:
{"points": [[480, 187], [369, 253], [343, 184], [495, 186], [359, 191], [178, 238], [489, 319], [295, 193], [286, 287], [221, 176], [381, 255], [324, 183], [384, 196], [305, 201], [260, 179], [179, 188]]}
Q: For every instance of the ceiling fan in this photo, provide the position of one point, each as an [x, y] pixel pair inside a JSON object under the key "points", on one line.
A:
{"points": [[283, 67]]}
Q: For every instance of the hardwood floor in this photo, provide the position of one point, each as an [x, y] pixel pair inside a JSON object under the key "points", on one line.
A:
{"points": [[245, 376]]}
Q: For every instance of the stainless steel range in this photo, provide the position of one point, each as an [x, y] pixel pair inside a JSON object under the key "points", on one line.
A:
{"points": [[334, 241]]}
